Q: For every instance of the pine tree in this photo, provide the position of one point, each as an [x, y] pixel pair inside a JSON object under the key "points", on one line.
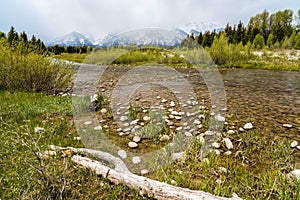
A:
{"points": [[12, 36]]}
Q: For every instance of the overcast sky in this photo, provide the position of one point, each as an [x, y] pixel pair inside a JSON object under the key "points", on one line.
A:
{"points": [[48, 19]]}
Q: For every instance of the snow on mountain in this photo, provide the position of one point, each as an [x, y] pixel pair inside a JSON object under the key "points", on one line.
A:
{"points": [[71, 39], [196, 28], [146, 36]]}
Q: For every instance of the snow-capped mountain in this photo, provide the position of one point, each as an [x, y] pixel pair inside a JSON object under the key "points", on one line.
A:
{"points": [[145, 36], [196, 28], [72, 39]]}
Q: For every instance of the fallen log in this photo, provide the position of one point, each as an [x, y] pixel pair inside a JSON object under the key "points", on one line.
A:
{"points": [[121, 174]]}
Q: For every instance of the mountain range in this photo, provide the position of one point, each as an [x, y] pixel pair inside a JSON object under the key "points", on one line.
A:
{"points": [[148, 36]]}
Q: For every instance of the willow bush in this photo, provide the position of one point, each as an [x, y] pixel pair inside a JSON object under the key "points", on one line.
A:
{"points": [[24, 71]]}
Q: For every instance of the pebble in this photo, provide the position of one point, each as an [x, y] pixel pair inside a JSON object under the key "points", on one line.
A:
{"points": [[103, 111], [218, 181], [209, 133], [123, 118], [179, 128], [248, 126], [158, 97], [294, 144], [119, 129], [98, 128], [228, 143], [77, 138], [173, 182], [132, 145], [287, 125], [197, 122], [146, 118], [298, 147], [126, 124], [134, 122], [202, 116], [39, 129], [164, 138], [136, 159], [171, 116], [127, 129], [230, 131], [222, 169], [178, 117], [144, 171], [241, 129], [228, 153], [201, 139], [188, 134], [174, 112], [220, 118], [295, 173], [136, 139], [88, 123], [164, 100], [122, 154], [216, 145], [172, 104]]}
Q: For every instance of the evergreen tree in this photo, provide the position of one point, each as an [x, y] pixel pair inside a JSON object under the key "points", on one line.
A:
{"points": [[200, 38], [12, 36]]}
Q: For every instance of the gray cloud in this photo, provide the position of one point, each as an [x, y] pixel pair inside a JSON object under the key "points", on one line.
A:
{"points": [[48, 19]]}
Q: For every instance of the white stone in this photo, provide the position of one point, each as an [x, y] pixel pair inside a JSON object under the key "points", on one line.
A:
{"points": [[103, 111], [222, 169], [197, 122], [134, 122], [146, 118], [164, 138], [209, 133], [220, 118], [248, 126], [230, 131], [201, 107], [136, 159], [88, 123], [200, 126], [127, 129], [123, 118], [216, 145], [298, 147], [228, 143], [126, 124], [121, 133], [98, 128], [188, 134], [172, 103], [39, 129], [227, 153], [144, 111], [158, 97], [201, 139], [287, 125], [144, 171], [202, 116], [132, 145], [122, 154], [173, 182], [77, 138], [241, 129], [218, 181], [296, 173], [164, 100], [178, 117], [174, 112], [119, 129], [136, 139], [171, 116], [179, 128], [294, 144]]}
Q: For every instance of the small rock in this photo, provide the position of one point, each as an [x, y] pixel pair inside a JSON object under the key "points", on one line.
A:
{"points": [[298, 147], [136, 139], [146, 118], [136, 159], [202, 116], [174, 112], [164, 100], [230, 131], [218, 181], [77, 138], [197, 122], [295, 173], [188, 134], [98, 128], [103, 110], [220, 118], [201, 139], [134, 122], [173, 182], [88, 123], [178, 117], [39, 129], [172, 104], [158, 97], [287, 125], [228, 153], [126, 124], [127, 129], [222, 169], [241, 129], [209, 133], [171, 116], [119, 129], [179, 128], [122, 154], [216, 145], [121, 134], [294, 144], [228, 143], [132, 145], [123, 118], [248, 126], [200, 126], [144, 171], [164, 138]]}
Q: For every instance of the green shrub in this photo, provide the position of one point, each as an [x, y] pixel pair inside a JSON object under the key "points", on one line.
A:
{"points": [[32, 72]]}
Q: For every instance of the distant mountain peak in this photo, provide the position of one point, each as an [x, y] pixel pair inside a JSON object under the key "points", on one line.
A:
{"points": [[71, 39]]}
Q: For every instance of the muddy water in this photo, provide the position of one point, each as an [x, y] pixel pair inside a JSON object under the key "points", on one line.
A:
{"points": [[267, 98]]}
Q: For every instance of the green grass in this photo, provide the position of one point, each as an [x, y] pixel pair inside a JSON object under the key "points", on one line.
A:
{"points": [[73, 57], [256, 169]]}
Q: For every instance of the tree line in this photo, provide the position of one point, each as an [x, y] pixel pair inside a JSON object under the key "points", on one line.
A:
{"points": [[263, 30]]}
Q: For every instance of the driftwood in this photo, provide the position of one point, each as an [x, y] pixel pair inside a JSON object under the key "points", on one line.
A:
{"points": [[121, 174]]}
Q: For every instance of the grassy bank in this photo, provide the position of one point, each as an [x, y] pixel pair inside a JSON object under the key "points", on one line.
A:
{"points": [[232, 57], [257, 167]]}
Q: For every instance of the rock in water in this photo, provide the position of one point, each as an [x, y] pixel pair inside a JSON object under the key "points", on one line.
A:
{"points": [[228, 143], [248, 126], [132, 145], [294, 144]]}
